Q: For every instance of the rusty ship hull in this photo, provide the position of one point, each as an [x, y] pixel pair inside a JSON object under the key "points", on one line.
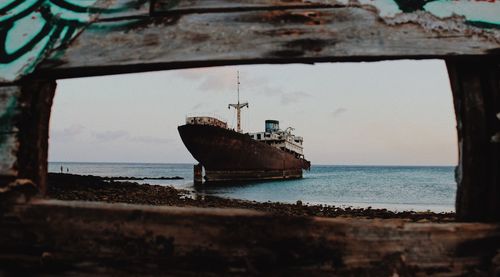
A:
{"points": [[228, 156]]}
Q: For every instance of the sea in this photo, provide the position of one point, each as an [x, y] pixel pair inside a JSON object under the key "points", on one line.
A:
{"points": [[395, 188]]}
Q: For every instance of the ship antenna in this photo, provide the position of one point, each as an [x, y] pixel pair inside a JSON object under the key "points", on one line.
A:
{"points": [[238, 106]]}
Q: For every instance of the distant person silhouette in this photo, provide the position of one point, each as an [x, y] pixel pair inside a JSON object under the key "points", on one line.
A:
{"points": [[62, 169], [67, 170]]}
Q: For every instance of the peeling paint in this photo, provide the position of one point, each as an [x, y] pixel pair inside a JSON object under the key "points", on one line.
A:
{"points": [[487, 12], [473, 11], [472, 18], [455, 24], [386, 8]]}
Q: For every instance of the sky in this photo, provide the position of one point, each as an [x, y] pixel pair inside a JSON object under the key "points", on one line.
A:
{"points": [[376, 113]]}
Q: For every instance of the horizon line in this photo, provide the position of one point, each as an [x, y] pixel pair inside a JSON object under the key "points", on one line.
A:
{"points": [[319, 164]]}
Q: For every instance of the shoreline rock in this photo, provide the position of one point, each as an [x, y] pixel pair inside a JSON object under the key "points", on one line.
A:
{"points": [[94, 188], [123, 178]]}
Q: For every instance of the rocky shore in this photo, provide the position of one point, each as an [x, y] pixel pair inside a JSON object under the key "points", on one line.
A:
{"points": [[94, 188]]}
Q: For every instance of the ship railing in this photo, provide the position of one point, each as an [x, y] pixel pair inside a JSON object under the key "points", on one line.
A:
{"points": [[207, 114]]}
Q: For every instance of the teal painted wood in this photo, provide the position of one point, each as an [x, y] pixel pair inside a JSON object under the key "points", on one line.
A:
{"points": [[31, 29]]}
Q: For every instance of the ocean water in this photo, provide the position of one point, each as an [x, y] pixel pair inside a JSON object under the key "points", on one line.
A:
{"points": [[398, 188]]}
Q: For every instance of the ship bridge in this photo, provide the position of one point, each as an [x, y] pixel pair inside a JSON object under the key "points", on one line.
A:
{"points": [[282, 139]]}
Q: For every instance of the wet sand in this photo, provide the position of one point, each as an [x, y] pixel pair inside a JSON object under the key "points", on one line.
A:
{"points": [[94, 188]]}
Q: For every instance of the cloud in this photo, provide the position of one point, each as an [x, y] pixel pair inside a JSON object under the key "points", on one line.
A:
{"points": [[150, 140], [263, 85], [219, 83], [110, 135], [123, 135], [293, 97], [67, 133], [197, 106], [337, 112], [212, 79], [223, 79]]}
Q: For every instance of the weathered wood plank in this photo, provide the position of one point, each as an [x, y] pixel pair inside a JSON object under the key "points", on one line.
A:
{"points": [[97, 238], [389, 30], [336, 34], [204, 6], [476, 93]]}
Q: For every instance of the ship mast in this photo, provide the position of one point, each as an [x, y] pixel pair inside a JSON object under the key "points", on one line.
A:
{"points": [[238, 107]]}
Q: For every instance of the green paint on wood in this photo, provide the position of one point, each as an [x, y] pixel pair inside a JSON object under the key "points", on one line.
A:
{"points": [[474, 11], [487, 12], [31, 29]]}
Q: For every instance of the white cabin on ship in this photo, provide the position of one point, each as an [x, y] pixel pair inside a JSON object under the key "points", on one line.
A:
{"points": [[282, 139]]}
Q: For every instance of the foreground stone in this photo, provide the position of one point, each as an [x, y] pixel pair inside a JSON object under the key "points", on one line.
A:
{"points": [[94, 188]]}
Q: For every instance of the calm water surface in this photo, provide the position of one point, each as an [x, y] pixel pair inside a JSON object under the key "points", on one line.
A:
{"points": [[393, 187]]}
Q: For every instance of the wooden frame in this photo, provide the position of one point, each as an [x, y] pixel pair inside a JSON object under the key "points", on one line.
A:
{"points": [[134, 36]]}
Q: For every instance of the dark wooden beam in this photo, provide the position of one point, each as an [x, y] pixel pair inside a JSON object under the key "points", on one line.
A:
{"points": [[36, 104], [24, 122], [476, 94], [97, 238]]}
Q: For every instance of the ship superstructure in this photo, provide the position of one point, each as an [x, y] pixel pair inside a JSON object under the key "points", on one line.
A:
{"points": [[273, 136], [281, 139]]}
